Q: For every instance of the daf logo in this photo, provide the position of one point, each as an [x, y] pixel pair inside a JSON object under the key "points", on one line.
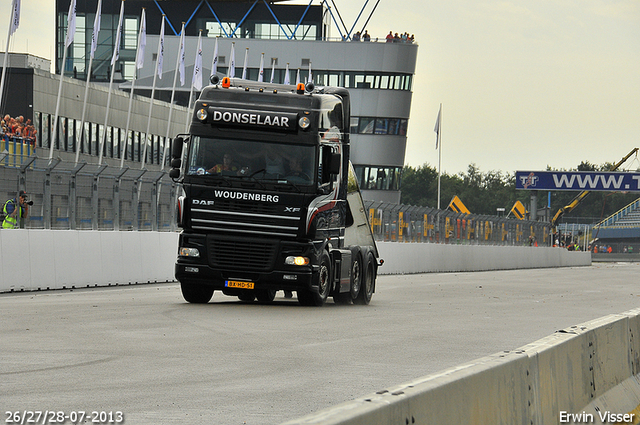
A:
{"points": [[291, 209], [201, 202]]}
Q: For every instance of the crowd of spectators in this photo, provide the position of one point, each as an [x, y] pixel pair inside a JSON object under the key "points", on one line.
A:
{"points": [[18, 127], [391, 37], [395, 38]]}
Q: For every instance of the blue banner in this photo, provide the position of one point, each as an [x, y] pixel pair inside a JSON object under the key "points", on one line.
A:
{"points": [[578, 180]]}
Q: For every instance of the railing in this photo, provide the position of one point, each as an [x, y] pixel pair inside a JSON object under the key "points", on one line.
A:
{"points": [[86, 196], [406, 223]]}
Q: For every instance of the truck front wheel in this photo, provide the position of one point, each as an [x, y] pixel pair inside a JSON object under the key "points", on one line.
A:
{"points": [[323, 280], [196, 293], [368, 282]]}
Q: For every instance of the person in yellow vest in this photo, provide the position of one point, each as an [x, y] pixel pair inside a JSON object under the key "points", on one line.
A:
{"points": [[15, 211]]}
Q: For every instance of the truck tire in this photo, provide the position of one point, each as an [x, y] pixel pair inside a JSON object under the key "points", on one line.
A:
{"points": [[265, 296], [196, 293], [323, 281], [247, 296], [368, 283]]}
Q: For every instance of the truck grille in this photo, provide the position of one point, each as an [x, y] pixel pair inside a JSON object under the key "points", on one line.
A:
{"points": [[247, 255], [244, 221]]}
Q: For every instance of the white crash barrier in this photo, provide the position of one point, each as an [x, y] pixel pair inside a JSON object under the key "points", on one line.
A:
{"points": [[56, 259], [583, 374], [400, 258]]}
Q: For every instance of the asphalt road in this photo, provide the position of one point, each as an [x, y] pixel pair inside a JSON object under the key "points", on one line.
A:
{"points": [[143, 351]]}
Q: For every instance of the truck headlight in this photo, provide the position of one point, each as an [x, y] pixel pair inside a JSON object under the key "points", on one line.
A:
{"points": [[188, 252], [304, 123], [296, 261], [202, 114]]}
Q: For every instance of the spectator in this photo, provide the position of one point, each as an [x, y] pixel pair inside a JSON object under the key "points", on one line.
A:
{"points": [[356, 36], [390, 37], [366, 36]]}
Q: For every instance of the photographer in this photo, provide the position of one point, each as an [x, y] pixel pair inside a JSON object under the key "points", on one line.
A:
{"points": [[16, 211]]}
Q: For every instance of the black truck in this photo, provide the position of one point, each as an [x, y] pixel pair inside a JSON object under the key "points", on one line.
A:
{"points": [[269, 198]]}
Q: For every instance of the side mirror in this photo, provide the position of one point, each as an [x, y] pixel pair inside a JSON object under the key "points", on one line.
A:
{"points": [[174, 173], [176, 148], [176, 163]]}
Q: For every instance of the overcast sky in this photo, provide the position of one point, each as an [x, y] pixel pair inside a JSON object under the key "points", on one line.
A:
{"points": [[524, 84]]}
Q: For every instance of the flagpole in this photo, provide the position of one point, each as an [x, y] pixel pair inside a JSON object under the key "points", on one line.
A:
{"points": [[439, 141], [114, 59], [94, 39], [67, 43], [193, 80], [139, 51], [173, 92], [13, 25], [244, 67], [261, 71], [153, 88]]}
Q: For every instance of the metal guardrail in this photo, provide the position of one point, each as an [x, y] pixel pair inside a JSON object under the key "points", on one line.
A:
{"points": [[407, 223], [87, 196]]}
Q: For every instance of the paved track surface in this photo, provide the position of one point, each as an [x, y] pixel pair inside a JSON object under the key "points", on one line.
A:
{"points": [[142, 350]]}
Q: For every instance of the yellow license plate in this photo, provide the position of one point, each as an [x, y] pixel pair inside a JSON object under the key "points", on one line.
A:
{"points": [[238, 284]]}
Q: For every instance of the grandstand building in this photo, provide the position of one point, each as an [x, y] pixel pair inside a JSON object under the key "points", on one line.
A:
{"points": [[306, 39]]}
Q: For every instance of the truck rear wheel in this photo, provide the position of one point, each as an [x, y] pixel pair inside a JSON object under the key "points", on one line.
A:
{"points": [[356, 277], [323, 281], [368, 283], [196, 293]]}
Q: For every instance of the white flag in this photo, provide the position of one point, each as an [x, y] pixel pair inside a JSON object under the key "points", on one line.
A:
{"points": [[298, 77], [161, 49], [142, 38], [182, 49], [261, 72], [437, 127], [197, 67], [15, 17], [116, 49], [71, 24], [96, 29], [244, 67], [214, 62], [310, 75], [286, 75], [232, 65], [273, 69]]}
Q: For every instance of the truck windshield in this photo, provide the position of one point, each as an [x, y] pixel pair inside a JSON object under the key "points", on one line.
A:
{"points": [[273, 162]]}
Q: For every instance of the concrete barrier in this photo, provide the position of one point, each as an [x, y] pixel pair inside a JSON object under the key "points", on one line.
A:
{"points": [[590, 371], [55, 259], [401, 258]]}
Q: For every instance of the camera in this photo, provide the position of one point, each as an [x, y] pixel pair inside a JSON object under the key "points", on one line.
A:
{"points": [[29, 202]]}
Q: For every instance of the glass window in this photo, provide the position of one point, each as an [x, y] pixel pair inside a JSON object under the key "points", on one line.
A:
{"points": [[354, 125], [130, 33], [403, 128], [384, 81], [262, 161], [382, 126], [334, 80], [366, 125], [398, 82]]}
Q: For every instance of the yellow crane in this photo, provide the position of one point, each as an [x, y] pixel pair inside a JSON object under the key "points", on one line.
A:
{"points": [[580, 197]]}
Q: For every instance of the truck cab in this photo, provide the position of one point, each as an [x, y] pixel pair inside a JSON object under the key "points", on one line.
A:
{"points": [[270, 201]]}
